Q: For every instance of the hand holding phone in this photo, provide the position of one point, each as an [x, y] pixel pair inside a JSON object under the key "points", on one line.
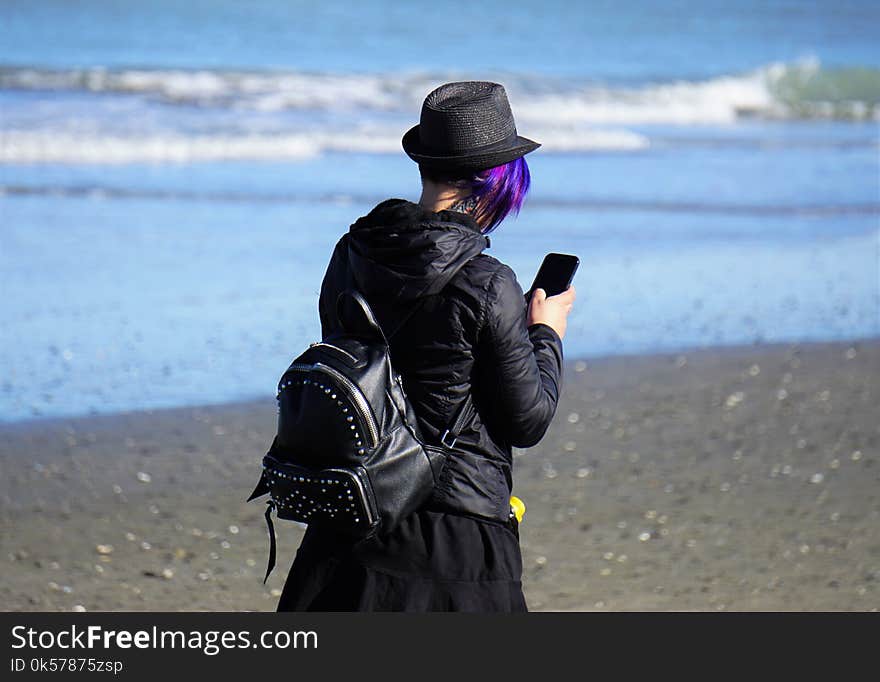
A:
{"points": [[554, 278]]}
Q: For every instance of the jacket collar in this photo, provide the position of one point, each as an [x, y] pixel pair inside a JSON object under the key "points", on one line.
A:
{"points": [[402, 213], [402, 250]]}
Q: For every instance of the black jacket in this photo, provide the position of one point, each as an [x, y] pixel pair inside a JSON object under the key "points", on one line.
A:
{"points": [[469, 334]]}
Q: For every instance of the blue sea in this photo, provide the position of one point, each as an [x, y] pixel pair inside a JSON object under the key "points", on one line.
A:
{"points": [[174, 175]]}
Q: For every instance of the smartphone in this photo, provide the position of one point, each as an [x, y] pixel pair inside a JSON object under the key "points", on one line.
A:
{"points": [[555, 274]]}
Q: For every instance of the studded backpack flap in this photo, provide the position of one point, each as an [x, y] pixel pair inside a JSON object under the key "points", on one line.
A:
{"points": [[348, 453]]}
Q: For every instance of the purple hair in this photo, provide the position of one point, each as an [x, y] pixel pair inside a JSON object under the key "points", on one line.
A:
{"points": [[499, 191]]}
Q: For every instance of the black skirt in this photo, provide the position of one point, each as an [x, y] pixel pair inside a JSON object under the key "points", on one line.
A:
{"points": [[433, 561]]}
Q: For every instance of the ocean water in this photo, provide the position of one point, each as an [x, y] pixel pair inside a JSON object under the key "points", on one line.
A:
{"points": [[173, 176]]}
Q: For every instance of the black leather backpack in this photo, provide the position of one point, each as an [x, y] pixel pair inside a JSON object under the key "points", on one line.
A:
{"points": [[348, 453]]}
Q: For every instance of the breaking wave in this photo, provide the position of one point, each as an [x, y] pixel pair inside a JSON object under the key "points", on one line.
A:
{"points": [[216, 115], [802, 89]]}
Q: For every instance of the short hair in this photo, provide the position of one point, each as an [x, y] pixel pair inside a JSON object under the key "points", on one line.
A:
{"points": [[499, 191]]}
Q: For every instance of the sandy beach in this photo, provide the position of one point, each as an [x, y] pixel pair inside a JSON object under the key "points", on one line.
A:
{"points": [[720, 479]]}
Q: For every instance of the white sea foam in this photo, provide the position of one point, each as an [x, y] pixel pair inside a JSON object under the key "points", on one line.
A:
{"points": [[47, 147], [563, 139], [262, 91], [52, 147], [720, 100]]}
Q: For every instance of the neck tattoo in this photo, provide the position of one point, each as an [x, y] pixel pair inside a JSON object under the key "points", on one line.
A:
{"points": [[466, 205]]}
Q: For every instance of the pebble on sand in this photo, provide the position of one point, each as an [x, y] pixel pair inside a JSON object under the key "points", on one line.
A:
{"points": [[734, 399]]}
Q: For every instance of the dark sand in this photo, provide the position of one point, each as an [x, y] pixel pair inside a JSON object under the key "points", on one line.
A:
{"points": [[737, 479]]}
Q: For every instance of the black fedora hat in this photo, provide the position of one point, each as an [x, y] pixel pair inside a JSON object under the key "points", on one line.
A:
{"points": [[466, 126]]}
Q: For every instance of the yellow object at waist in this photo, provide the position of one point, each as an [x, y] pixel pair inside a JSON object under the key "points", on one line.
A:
{"points": [[518, 507]]}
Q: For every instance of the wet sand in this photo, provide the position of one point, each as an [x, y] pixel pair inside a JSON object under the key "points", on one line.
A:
{"points": [[720, 479]]}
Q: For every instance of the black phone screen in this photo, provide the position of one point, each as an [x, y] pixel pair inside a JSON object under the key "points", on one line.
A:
{"points": [[555, 274]]}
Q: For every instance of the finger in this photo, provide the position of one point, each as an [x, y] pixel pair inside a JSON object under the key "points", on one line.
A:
{"points": [[539, 295], [565, 296]]}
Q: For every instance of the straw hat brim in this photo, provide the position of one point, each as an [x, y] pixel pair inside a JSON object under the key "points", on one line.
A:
{"points": [[479, 159]]}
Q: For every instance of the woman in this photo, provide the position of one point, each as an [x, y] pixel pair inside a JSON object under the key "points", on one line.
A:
{"points": [[471, 333]]}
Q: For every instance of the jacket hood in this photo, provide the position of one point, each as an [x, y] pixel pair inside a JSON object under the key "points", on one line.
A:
{"points": [[402, 250]]}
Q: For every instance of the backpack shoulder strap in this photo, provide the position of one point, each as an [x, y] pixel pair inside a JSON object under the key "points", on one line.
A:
{"points": [[465, 411]]}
